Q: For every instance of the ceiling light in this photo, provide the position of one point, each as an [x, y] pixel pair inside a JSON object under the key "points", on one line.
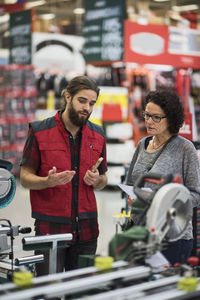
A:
{"points": [[185, 7], [49, 16], [130, 10], [10, 1], [174, 15], [161, 0], [79, 11], [4, 18], [32, 4]]}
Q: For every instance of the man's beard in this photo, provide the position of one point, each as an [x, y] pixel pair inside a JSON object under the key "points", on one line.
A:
{"points": [[75, 118]]}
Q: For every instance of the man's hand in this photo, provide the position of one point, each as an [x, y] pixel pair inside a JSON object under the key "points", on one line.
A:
{"points": [[97, 181], [90, 177], [61, 178], [30, 180]]}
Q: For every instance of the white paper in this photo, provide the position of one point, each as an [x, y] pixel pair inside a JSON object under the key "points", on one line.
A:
{"points": [[157, 261], [129, 190]]}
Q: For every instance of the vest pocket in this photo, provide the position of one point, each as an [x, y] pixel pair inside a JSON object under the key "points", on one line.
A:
{"points": [[53, 201], [53, 155], [95, 152]]}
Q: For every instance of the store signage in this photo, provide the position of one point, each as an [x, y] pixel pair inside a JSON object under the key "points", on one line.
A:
{"points": [[68, 59], [20, 37], [160, 44], [10, 8], [103, 30], [186, 130], [184, 42]]}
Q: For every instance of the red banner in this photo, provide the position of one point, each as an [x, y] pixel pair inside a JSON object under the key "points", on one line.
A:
{"points": [[160, 44], [9, 8]]}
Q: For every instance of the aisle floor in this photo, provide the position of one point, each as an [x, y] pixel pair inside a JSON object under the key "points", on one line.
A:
{"points": [[18, 212]]}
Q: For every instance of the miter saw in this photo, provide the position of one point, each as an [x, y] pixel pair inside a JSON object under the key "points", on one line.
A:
{"points": [[7, 230], [160, 215]]}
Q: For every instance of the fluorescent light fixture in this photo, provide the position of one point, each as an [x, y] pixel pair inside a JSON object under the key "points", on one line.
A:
{"points": [[32, 4], [130, 10], [185, 7], [174, 15], [49, 16], [161, 0], [79, 11], [10, 1], [5, 18]]}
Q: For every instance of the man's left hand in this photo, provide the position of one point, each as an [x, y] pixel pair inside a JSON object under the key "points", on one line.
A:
{"points": [[91, 178]]}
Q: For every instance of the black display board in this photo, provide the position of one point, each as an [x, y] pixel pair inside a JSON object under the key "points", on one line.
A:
{"points": [[103, 30], [20, 38]]}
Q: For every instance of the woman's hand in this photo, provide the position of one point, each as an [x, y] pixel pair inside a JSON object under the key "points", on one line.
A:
{"points": [[130, 201]]}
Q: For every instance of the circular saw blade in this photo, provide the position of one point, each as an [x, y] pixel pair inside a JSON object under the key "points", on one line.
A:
{"points": [[178, 217], [7, 187], [5, 183]]}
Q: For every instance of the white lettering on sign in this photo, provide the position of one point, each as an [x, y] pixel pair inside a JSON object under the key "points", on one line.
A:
{"points": [[111, 52], [100, 3], [187, 60], [92, 50], [20, 54], [185, 129], [92, 39], [102, 13], [21, 30], [112, 25], [91, 28], [111, 40]]}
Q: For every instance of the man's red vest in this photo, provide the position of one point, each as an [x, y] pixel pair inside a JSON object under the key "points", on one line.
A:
{"points": [[54, 204]]}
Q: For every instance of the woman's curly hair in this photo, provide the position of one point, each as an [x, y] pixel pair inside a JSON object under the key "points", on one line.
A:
{"points": [[170, 103]]}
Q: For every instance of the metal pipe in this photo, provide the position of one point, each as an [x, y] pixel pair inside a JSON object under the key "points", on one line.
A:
{"points": [[47, 238], [29, 260], [80, 285], [136, 290], [62, 276], [53, 239]]}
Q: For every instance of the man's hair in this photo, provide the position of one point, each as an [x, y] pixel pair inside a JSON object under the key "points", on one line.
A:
{"points": [[171, 105], [77, 84]]}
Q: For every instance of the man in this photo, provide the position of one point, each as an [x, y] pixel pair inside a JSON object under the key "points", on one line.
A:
{"points": [[57, 168]]}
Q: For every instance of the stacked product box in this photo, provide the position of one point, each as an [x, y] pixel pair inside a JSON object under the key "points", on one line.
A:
{"points": [[18, 96]]}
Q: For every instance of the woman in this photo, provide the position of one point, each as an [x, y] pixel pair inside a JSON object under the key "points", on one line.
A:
{"points": [[164, 116]]}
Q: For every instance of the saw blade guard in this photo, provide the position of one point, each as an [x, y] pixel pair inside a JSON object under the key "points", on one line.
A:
{"points": [[7, 184], [170, 212]]}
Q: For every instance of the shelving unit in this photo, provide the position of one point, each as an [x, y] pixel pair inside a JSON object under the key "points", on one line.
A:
{"points": [[120, 149], [17, 108]]}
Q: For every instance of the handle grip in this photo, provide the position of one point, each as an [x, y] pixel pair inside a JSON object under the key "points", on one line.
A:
{"points": [[154, 178]]}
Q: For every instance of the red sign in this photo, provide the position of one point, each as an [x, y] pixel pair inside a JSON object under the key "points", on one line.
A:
{"points": [[160, 44], [9, 8], [186, 129]]}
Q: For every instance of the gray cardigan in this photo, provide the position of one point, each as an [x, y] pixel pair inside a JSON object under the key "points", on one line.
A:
{"points": [[178, 158]]}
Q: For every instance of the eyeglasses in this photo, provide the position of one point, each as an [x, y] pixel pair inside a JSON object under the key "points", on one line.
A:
{"points": [[155, 118]]}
